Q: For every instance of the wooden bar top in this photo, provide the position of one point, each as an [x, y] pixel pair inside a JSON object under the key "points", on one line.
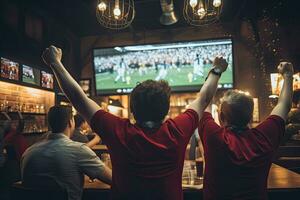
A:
{"points": [[100, 147], [279, 179]]}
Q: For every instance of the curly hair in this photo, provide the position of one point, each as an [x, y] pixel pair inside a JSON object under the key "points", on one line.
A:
{"points": [[150, 101]]}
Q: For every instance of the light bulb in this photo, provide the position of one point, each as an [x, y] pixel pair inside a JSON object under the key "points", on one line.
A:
{"points": [[193, 3], [117, 12], [201, 12], [217, 3], [102, 6]]}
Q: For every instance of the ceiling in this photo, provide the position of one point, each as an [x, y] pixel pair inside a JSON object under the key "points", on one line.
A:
{"points": [[79, 15]]}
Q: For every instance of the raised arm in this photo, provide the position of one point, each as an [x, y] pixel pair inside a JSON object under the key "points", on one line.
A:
{"points": [[209, 88], [285, 99], [94, 141], [84, 105]]}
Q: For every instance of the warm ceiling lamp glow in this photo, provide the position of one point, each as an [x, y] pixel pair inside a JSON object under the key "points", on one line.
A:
{"points": [[201, 12], [193, 3], [217, 3], [102, 6], [117, 12]]}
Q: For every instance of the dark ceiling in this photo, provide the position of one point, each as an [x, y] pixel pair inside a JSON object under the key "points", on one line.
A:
{"points": [[79, 15]]}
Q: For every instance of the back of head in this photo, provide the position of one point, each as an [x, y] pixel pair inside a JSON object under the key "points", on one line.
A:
{"points": [[78, 120], [236, 108], [59, 117], [150, 101]]}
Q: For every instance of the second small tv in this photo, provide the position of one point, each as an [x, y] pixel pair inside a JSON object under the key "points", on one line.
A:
{"points": [[31, 75]]}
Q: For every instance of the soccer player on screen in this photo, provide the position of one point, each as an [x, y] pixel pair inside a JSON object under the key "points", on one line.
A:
{"points": [[121, 68], [198, 67], [162, 73]]}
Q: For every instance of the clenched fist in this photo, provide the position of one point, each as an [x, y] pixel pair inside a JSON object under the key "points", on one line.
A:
{"points": [[286, 68], [220, 64], [52, 55]]}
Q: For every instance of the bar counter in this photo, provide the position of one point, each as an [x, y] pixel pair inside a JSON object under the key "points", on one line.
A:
{"points": [[282, 184]]}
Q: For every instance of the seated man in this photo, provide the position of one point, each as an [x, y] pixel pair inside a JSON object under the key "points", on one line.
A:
{"points": [[61, 160], [147, 157], [14, 141], [238, 158], [79, 136]]}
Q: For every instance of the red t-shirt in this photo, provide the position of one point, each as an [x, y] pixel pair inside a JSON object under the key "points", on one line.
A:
{"points": [[237, 165], [18, 141], [146, 164]]}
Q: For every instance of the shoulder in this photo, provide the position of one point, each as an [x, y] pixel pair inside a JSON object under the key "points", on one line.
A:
{"points": [[35, 148], [189, 114], [273, 120]]}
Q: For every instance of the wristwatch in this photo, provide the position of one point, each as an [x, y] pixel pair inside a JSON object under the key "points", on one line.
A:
{"points": [[216, 71]]}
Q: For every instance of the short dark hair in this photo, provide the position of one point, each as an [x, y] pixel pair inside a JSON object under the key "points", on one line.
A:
{"points": [[78, 120], [59, 117], [150, 101], [237, 108]]}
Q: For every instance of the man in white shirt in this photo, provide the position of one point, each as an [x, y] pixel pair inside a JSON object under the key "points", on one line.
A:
{"points": [[60, 160]]}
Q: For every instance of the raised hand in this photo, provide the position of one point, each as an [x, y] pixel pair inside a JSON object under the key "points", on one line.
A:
{"points": [[286, 68], [52, 55], [220, 64]]}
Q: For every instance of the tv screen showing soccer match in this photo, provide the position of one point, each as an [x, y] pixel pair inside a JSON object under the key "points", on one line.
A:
{"points": [[31, 75], [9, 69], [184, 65]]}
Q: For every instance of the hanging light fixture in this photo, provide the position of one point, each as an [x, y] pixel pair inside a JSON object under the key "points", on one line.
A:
{"points": [[115, 14], [168, 16], [202, 12]]}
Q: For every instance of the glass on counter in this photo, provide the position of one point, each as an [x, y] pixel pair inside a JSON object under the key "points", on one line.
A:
{"points": [[190, 176], [106, 160]]}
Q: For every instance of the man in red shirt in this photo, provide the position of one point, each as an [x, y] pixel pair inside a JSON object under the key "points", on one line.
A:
{"points": [[237, 158], [147, 157], [15, 139]]}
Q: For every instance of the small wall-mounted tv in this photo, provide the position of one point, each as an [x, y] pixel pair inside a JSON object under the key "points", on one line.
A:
{"points": [[31, 75], [47, 80], [9, 69], [184, 65], [277, 82]]}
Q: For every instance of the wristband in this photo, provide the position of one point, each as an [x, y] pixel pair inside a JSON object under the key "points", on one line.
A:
{"points": [[215, 72]]}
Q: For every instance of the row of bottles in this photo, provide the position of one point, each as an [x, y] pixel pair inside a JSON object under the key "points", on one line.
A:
{"points": [[9, 106]]}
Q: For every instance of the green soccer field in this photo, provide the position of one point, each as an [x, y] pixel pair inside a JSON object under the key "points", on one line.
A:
{"points": [[105, 81], [28, 80]]}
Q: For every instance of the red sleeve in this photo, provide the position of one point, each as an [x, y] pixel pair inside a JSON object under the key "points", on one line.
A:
{"points": [[21, 145], [9, 137], [207, 125], [106, 125], [272, 129], [187, 122]]}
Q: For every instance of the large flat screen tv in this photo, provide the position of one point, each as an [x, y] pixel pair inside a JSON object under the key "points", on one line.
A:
{"points": [[184, 65], [9, 69], [31, 75]]}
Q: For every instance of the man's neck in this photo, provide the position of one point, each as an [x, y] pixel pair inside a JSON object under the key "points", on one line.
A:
{"points": [[67, 133]]}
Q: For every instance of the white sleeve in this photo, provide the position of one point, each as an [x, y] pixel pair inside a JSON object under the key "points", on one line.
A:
{"points": [[89, 163]]}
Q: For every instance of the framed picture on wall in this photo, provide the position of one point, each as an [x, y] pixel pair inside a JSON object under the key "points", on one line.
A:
{"points": [[85, 85]]}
